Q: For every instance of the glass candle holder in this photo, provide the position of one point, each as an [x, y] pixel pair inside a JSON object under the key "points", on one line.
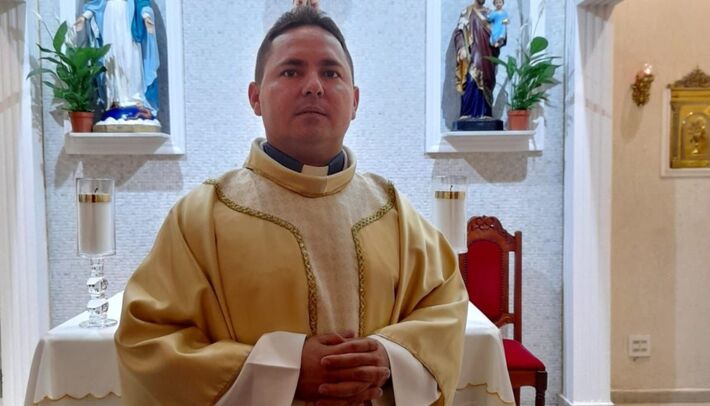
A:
{"points": [[450, 209], [96, 239]]}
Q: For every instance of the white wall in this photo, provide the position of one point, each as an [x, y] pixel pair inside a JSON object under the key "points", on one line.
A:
{"points": [[24, 307], [660, 256], [387, 42]]}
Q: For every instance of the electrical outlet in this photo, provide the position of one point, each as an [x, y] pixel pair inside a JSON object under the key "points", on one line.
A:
{"points": [[639, 346]]}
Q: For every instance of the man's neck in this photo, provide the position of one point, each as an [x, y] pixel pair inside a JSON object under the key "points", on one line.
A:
{"points": [[335, 165]]}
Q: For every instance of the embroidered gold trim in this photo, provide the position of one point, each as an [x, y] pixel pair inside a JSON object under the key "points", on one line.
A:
{"points": [[361, 258], [311, 280], [88, 395]]}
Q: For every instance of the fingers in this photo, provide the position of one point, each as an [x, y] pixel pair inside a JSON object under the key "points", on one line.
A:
{"points": [[371, 374], [357, 345], [364, 396], [330, 339], [336, 338], [350, 360]]}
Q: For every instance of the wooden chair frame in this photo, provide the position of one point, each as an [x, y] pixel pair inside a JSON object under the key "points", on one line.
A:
{"points": [[489, 228]]}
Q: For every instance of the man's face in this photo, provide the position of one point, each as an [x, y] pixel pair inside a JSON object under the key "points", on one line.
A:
{"points": [[306, 98]]}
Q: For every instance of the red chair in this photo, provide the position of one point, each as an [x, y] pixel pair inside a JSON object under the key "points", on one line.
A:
{"points": [[485, 269]]}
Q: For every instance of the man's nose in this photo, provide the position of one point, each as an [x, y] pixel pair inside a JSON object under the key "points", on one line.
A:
{"points": [[313, 85]]}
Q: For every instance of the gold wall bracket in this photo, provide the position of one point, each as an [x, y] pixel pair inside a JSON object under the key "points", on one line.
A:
{"points": [[641, 88]]}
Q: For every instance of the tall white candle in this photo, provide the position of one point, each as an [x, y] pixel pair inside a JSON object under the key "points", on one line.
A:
{"points": [[96, 233], [450, 217]]}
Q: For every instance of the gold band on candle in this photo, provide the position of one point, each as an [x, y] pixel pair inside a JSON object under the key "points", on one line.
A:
{"points": [[446, 195], [94, 198]]}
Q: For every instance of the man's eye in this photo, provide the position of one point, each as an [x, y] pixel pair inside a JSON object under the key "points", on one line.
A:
{"points": [[289, 73], [332, 74]]}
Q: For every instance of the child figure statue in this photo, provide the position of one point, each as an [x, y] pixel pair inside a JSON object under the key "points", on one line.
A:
{"points": [[499, 20]]}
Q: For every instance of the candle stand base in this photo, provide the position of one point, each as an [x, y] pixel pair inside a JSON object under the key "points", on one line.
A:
{"points": [[98, 324], [98, 304]]}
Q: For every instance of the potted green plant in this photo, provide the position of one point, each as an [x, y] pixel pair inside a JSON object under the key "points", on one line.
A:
{"points": [[530, 76], [75, 72]]}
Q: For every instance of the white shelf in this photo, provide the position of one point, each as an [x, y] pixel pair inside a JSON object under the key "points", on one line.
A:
{"points": [[485, 141], [119, 144]]}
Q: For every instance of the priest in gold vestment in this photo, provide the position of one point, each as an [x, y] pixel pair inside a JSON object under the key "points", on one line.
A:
{"points": [[295, 279]]}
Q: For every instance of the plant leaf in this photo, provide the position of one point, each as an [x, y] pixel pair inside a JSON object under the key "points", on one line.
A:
{"points": [[45, 50], [538, 44], [60, 37], [101, 52], [50, 84], [511, 67], [50, 59], [39, 71], [495, 60]]}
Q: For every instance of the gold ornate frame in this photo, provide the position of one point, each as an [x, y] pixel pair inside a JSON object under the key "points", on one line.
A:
{"points": [[689, 122]]}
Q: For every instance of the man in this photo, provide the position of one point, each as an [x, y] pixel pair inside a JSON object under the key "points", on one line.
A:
{"points": [[295, 279]]}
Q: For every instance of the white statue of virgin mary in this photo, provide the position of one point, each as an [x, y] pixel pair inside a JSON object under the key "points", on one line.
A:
{"points": [[130, 91]]}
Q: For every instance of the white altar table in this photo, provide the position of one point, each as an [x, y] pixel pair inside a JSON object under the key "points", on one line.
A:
{"points": [[77, 366]]}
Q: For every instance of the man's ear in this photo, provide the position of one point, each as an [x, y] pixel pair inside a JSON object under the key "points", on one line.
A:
{"points": [[356, 100], [254, 98]]}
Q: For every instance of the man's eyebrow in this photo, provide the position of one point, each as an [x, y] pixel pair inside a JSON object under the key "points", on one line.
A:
{"points": [[292, 62], [327, 62], [330, 62]]}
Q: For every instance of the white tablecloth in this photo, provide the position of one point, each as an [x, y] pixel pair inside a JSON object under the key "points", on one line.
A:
{"points": [[74, 365], [484, 379]]}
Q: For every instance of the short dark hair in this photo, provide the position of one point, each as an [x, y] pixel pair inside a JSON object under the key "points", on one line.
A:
{"points": [[298, 17]]}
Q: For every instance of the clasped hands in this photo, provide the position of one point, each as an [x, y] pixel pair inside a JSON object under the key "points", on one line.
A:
{"points": [[339, 369]]}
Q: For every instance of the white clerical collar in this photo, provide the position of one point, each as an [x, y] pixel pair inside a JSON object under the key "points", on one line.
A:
{"points": [[337, 164], [315, 170]]}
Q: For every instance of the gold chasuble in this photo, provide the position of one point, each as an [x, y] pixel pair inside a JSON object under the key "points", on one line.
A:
{"points": [[266, 249]]}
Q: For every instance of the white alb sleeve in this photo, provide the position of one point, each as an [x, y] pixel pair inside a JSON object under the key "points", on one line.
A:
{"points": [[412, 384], [270, 373]]}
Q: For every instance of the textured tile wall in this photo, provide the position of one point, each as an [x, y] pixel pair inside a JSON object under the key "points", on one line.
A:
{"points": [[387, 42]]}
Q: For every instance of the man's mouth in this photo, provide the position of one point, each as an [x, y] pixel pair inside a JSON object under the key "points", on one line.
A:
{"points": [[311, 110]]}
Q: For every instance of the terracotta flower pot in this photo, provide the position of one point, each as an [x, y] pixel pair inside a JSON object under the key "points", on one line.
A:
{"points": [[81, 121], [518, 120]]}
